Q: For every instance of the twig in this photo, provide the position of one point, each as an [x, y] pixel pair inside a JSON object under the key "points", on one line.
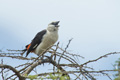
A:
{"points": [[55, 55], [68, 52], [100, 58], [44, 61], [71, 72], [14, 70], [19, 66], [17, 57], [64, 51], [2, 70], [73, 67], [107, 75], [15, 50], [103, 71]]}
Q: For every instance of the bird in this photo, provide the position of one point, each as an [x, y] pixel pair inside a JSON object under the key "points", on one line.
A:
{"points": [[43, 39]]}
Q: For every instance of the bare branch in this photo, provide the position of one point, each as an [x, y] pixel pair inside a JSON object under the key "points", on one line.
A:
{"points": [[70, 67], [17, 57], [64, 50], [49, 60], [14, 70], [55, 55], [100, 58], [68, 52], [2, 70]]}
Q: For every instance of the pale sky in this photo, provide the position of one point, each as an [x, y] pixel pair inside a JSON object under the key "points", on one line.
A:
{"points": [[94, 25]]}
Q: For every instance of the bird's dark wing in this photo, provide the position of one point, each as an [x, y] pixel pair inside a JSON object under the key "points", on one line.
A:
{"points": [[35, 42]]}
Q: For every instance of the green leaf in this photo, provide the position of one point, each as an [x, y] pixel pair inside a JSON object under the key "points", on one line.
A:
{"points": [[25, 75], [32, 77]]}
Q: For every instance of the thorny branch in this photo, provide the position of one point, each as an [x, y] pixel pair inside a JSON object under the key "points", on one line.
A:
{"points": [[100, 57], [64, 50], [2, 70], [13, 69], [63, 63]]}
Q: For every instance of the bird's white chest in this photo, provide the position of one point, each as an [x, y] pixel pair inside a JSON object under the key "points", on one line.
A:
{"points": [[48, 40]]}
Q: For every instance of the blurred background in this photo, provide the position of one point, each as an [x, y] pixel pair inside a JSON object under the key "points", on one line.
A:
{"points": [[94, 26]]}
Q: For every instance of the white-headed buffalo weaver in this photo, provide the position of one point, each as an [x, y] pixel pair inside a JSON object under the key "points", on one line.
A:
{"points": [[44, 39]]}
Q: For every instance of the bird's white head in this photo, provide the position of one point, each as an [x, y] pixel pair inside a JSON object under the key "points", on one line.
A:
{"points": [[53, 26]]}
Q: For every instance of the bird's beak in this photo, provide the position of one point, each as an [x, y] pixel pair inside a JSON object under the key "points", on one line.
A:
{"points": [[56, 23]]}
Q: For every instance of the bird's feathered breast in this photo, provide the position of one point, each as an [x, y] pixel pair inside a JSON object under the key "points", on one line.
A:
{"points": [[50, 37], [48, 40]]}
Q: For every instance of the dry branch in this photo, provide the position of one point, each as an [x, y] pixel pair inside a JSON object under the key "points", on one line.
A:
{"points": [[57, 54], [100, 58], [64, 51], [14, 70]]}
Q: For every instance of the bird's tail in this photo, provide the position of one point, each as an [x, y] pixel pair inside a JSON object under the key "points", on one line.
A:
{"points": [[24, 50]]}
